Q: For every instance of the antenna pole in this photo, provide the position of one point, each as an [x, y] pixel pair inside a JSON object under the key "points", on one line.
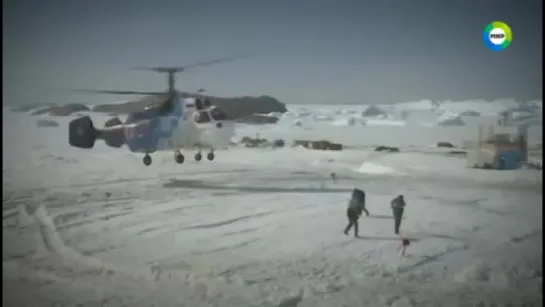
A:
{"points": [[171, 81]]}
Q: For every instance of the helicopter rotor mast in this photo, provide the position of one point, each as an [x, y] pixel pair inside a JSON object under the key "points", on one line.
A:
{"points": [[171, 71], [171, 75]]}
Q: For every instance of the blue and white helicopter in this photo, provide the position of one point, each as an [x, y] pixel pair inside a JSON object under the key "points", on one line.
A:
{"points": [[171, 122]]}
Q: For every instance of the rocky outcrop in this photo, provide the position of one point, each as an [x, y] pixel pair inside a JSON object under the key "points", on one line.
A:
{"points": [[63, 110], [257, 142], [386, 149], [470, 113], [258, 119], [239, 107], [445, 145], [318, 145], [373, 111], [254, 142], [452, 122]]}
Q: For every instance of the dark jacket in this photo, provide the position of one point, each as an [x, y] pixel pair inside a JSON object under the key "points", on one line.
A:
{"points": [[357, 202], [398, 203]]}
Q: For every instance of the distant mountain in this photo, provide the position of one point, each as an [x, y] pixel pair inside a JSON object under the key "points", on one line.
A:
{"points": [[451, 122], [240, 107], [470, 113], [373, 111]]}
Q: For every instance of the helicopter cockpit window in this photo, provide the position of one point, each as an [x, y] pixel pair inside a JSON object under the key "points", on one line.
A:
{"points": [[202, 118], [218, 114]]}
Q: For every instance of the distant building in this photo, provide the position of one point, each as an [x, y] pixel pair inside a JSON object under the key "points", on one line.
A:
{"points": [[501, 146]]}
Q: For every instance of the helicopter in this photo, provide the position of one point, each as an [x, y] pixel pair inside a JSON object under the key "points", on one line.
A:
{"points": [[172, 120]]}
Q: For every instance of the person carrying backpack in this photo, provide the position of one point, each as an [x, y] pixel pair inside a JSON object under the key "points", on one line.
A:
{"points": [[398, 207], [355, 208]]}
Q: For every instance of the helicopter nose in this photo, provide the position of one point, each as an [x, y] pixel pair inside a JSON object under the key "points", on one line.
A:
{"points": [[219, 125]]}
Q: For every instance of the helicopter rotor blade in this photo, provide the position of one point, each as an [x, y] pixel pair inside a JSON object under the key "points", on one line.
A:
{"points": [[199, 93], [119, 92], [175, 69]]}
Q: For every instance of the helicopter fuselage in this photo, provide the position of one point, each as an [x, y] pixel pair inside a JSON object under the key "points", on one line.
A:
{"points": [[155, 129]]}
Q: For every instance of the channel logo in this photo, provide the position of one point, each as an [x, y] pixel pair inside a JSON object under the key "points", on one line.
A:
{"points": [[497, 36]]}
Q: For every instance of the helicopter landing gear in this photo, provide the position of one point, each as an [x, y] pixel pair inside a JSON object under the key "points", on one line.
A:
{"points": [[178, 157], [210, 156], [147, 160]]}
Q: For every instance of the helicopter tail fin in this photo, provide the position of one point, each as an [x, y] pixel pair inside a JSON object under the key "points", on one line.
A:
{"points": [[82, 133]]}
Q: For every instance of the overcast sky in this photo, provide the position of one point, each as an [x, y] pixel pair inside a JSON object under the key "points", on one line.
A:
{"points": [[308, 51]]}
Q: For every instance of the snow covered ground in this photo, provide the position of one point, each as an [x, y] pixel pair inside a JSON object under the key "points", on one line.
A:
{"points": [[263, 227]]}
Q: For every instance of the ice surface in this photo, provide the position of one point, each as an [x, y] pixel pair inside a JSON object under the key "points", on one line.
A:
{"points": [[263, 227]]}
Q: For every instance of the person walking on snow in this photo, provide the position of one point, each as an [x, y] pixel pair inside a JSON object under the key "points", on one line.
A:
{"points": [[355, 208], [398, 206]]}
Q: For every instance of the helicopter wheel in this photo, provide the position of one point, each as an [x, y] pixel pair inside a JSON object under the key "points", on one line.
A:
{"points": [[147, 160], [210, 156], [198, 157], [178, 157]]}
